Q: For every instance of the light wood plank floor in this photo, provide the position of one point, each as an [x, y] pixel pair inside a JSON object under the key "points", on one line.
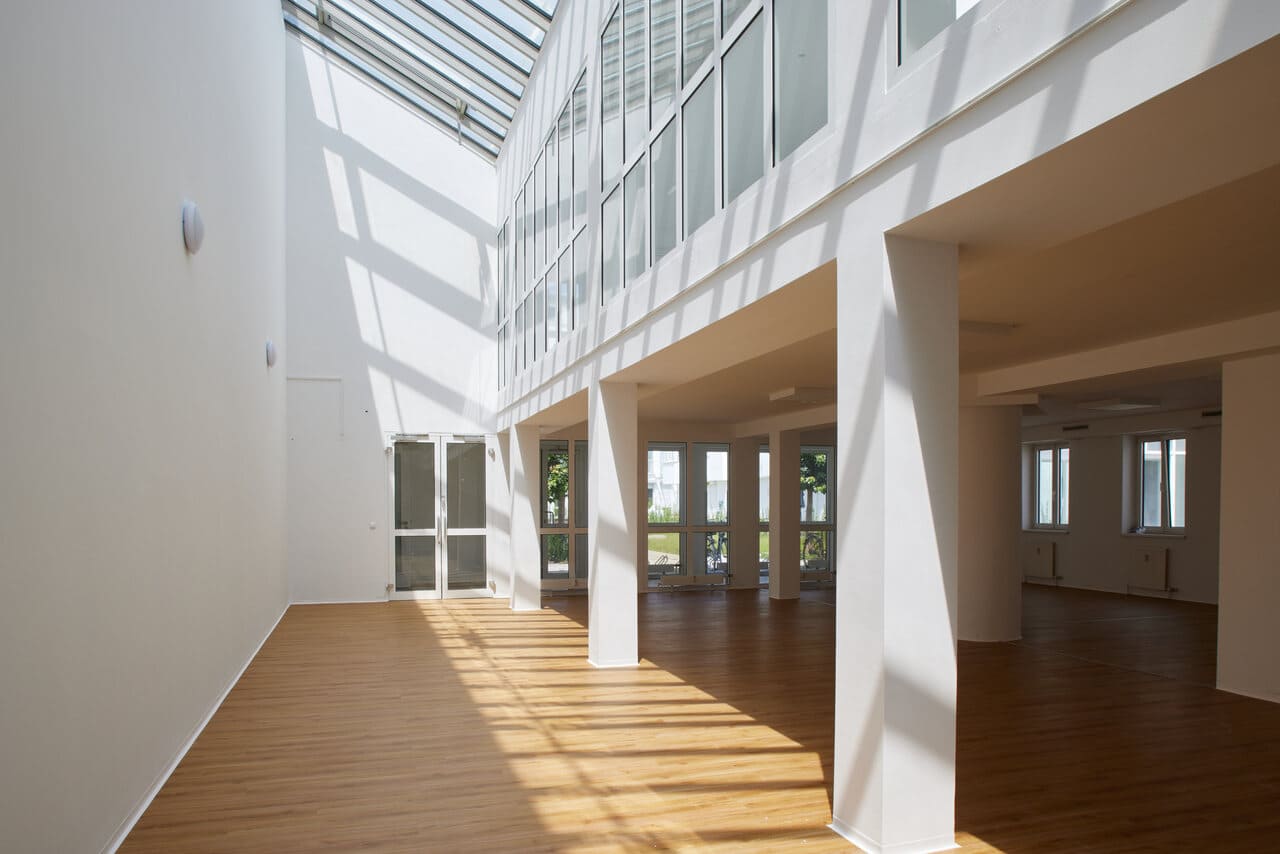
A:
{"points": [[460, 726]]}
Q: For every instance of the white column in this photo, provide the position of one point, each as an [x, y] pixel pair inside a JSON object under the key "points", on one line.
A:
{"points": [[896, 526], [990, 512], [613, 509], [1249, 537], [498, 514], [784, 514], [526, 554], [744, 512]]}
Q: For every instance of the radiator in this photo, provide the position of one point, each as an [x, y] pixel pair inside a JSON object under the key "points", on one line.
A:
{"points": [[1038, 560], [709, 580], [1149, 568]]}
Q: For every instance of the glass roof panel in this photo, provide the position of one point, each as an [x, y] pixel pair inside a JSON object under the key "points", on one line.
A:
{"points": [[463, 64]]}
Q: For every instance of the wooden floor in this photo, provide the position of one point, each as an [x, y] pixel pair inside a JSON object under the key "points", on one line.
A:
{"points": [[460, 726]]}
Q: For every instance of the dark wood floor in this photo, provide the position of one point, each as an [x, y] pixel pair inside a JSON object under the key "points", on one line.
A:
{"points": [[460, 726]]}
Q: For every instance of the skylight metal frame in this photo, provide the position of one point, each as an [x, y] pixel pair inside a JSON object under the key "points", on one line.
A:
{"points": [[424, 53]]}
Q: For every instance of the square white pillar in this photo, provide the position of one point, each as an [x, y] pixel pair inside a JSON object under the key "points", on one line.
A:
{"points": [[744, 512], [784, 514], [1249, 539], [990, 581], [896, 526], [526, 552], [613, 508]]}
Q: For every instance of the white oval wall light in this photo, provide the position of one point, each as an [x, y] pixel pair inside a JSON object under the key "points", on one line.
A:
{"points": [[271, 353], [192, 227]]}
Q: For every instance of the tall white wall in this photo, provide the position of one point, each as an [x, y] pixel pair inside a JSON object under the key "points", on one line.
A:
{"points": [[1247, 627], [391, 315], [142, 457], [1098, 549]]}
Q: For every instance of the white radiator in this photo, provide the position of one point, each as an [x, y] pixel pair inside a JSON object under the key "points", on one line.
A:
{"points": [[1038, 560], [1149, 568]]}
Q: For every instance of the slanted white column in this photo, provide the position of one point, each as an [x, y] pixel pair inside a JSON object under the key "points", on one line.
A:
{"points": [[784, 514], [990, 513], [896, 530], [526, 554], [1249, 538], [613, 524], [744, 512]]}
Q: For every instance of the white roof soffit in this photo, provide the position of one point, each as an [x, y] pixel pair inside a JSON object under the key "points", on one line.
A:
{"points": [[461, 64]]}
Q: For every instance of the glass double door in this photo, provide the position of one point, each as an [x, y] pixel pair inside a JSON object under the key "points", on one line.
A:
{"points": [[439, 505]]}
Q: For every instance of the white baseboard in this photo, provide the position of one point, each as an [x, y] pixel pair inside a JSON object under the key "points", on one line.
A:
{"points": [[613, 666], [923, 846], [339, 601], [122, 832], [1251, 696]]}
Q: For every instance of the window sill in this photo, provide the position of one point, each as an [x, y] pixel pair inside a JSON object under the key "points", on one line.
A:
{"points": [[1046, 530], [1153, 535]]}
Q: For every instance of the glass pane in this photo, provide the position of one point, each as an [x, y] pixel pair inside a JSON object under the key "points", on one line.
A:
{"points": [[635, 51], [1064, 485], [665, 233], [555, 556], [699, 34], [666, 483], [764, 485], [551, 160], [1177, 483], [467, 563], [580, 484], [539, 321], [519, 253], [529, 261], [555, 484], [564, 149], [502, 357], [553, 307], [1152, 453], [581, 558], [415, 563], [699, 156], [662, 40], [664, 555], [800, 71], [815, 553], [611, 101], [744, 111], [764, 557], [709, 481], [730, 11], [715, 552], [529, 317], [1044, 486], [580, 111], [565, 284], [610, 245], [581, 264], [539, 217], [517, 354], [921, 20], [466, 484], [815, 479], [415, 472], [502, 292], [637, 218]]}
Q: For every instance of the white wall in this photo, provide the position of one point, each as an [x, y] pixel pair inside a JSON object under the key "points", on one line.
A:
{"points": [[142, 453], [1096, 552], [390, 307], [1247, 627]]}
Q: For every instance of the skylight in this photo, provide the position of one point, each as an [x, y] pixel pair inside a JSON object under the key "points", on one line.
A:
{"points": [[462, 64]]}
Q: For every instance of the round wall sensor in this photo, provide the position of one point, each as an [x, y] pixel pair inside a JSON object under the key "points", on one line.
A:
{"points": [[271, 353], [192, 227]]}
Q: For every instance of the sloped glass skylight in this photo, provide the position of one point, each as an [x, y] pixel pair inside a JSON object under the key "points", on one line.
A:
{"points": [[463, 64]]}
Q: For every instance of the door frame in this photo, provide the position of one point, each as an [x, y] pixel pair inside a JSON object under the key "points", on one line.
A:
{"points": [[440, 441]]}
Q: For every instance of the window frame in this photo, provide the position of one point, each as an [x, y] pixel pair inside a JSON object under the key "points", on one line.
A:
{"points": [[1056, 523], [1165, 528]]}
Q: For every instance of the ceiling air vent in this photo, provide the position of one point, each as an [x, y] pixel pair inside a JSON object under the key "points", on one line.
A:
{"points": [[1071, 428]]}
